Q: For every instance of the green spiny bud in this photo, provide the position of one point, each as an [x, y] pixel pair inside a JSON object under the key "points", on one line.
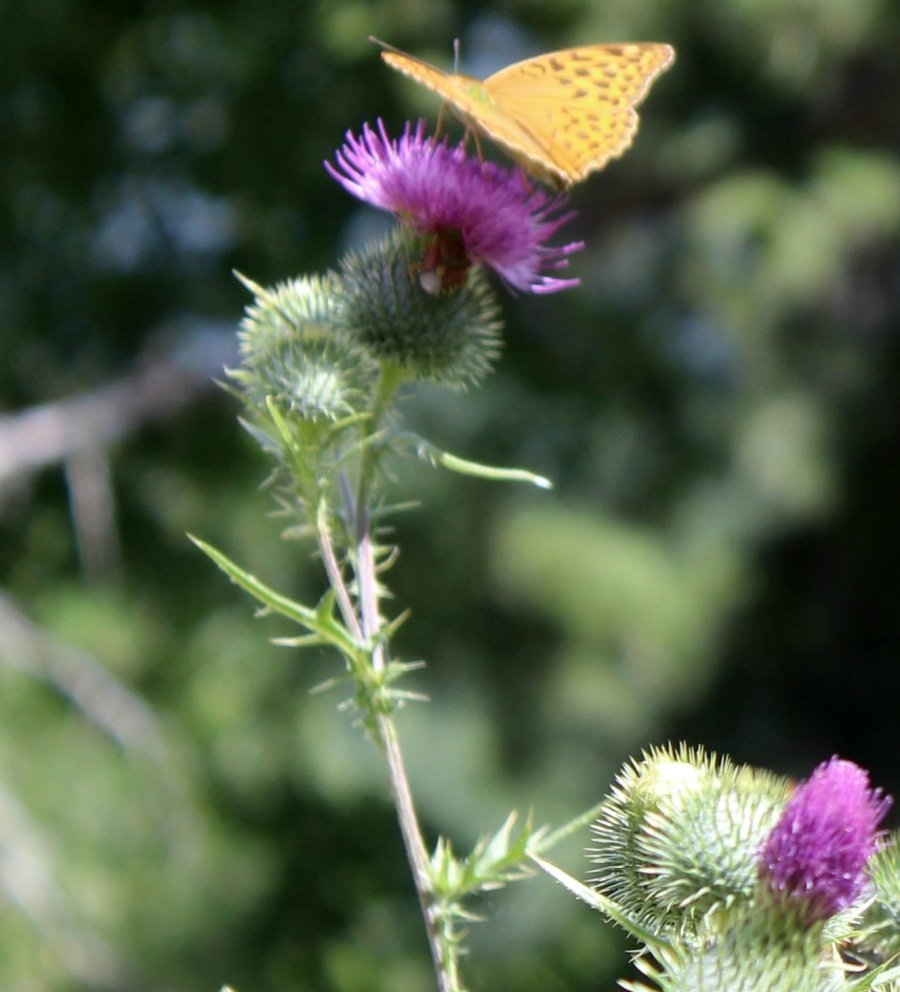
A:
{"points": [[751, 952], [881, 923], [296, 353], [698, 852], [677, 840], [639, 789], [451, 337]]}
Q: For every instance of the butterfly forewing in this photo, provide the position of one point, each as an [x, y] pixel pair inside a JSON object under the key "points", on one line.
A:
{"points": [[423, 72], [472, 104]]}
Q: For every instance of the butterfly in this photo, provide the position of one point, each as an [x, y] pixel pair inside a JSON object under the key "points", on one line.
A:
{"points": [[562, 115]]}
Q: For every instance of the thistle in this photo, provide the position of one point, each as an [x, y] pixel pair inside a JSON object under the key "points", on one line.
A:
{"points": [[814, 860], [735, 883], [469, 212], [323, 362], [296, 353], [452, 338], [675, 843]]}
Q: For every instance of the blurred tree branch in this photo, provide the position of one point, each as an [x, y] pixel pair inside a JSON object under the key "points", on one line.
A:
{"points": [[105, 701], [162, 385], [78, 430], [28, 880]]}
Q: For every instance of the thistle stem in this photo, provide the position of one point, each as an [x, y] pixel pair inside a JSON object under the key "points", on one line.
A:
{"points": [[336, 576], [389, 382], [370, 621], [407, 818]]}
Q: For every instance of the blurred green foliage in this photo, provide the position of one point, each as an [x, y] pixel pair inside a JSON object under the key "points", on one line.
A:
{"points": [[717, 405]]}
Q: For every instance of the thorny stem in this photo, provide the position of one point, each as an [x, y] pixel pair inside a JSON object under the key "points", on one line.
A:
{"points": [[388, 383], [370, 621], [335, 576], [400, 789], [415, 850]]}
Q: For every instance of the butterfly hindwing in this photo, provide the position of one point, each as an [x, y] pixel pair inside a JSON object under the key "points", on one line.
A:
{"points": [[580, 102]]}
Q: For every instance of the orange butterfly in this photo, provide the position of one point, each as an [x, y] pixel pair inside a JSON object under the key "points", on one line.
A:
{"points": [[562, 115]]}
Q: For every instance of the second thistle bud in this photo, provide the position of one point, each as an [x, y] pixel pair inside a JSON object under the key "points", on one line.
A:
{"points": [[295, 353], [676, 842]]}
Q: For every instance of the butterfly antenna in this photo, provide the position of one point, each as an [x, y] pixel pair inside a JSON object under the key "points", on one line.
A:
{"points": [[456, 49]]}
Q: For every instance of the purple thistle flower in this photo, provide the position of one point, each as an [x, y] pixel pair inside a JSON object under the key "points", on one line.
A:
{"points": [[477, 212], [817, 852]]}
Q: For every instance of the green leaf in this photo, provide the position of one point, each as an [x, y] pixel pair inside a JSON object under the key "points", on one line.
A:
{"points": [[435, 456], [599, 902], [504, 853], [494, 861], [321, 621], [552, 838], [877, 979]]}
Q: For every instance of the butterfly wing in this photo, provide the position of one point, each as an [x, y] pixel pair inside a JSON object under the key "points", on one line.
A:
{"points": [[469, 100], [577, 105], [561, 115], [423, 72]]}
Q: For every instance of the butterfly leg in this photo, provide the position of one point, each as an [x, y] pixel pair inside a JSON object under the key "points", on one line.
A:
{"points": [[477, 141]]}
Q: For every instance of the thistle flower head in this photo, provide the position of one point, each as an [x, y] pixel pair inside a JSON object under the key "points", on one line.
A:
{"points": [[817, 852], [473, 212], [448, 338]]}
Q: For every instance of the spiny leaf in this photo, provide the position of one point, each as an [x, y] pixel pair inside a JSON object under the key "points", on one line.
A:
{"points": [[599, 902], [320, 621], [552, 838]]}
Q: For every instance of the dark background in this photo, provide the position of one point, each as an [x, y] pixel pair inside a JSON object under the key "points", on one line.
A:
{"points": [[717, 405]]}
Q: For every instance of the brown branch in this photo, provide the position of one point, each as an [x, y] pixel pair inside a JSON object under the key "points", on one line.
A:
{"points": [[104, 700], [53, 432]]}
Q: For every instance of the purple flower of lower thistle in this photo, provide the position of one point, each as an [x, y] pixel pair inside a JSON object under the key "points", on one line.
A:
{"points": [[817, 852], [474, 211]]}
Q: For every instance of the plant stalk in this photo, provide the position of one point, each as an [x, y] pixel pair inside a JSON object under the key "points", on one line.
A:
{"points": [[370, 622], [407, 818]]}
